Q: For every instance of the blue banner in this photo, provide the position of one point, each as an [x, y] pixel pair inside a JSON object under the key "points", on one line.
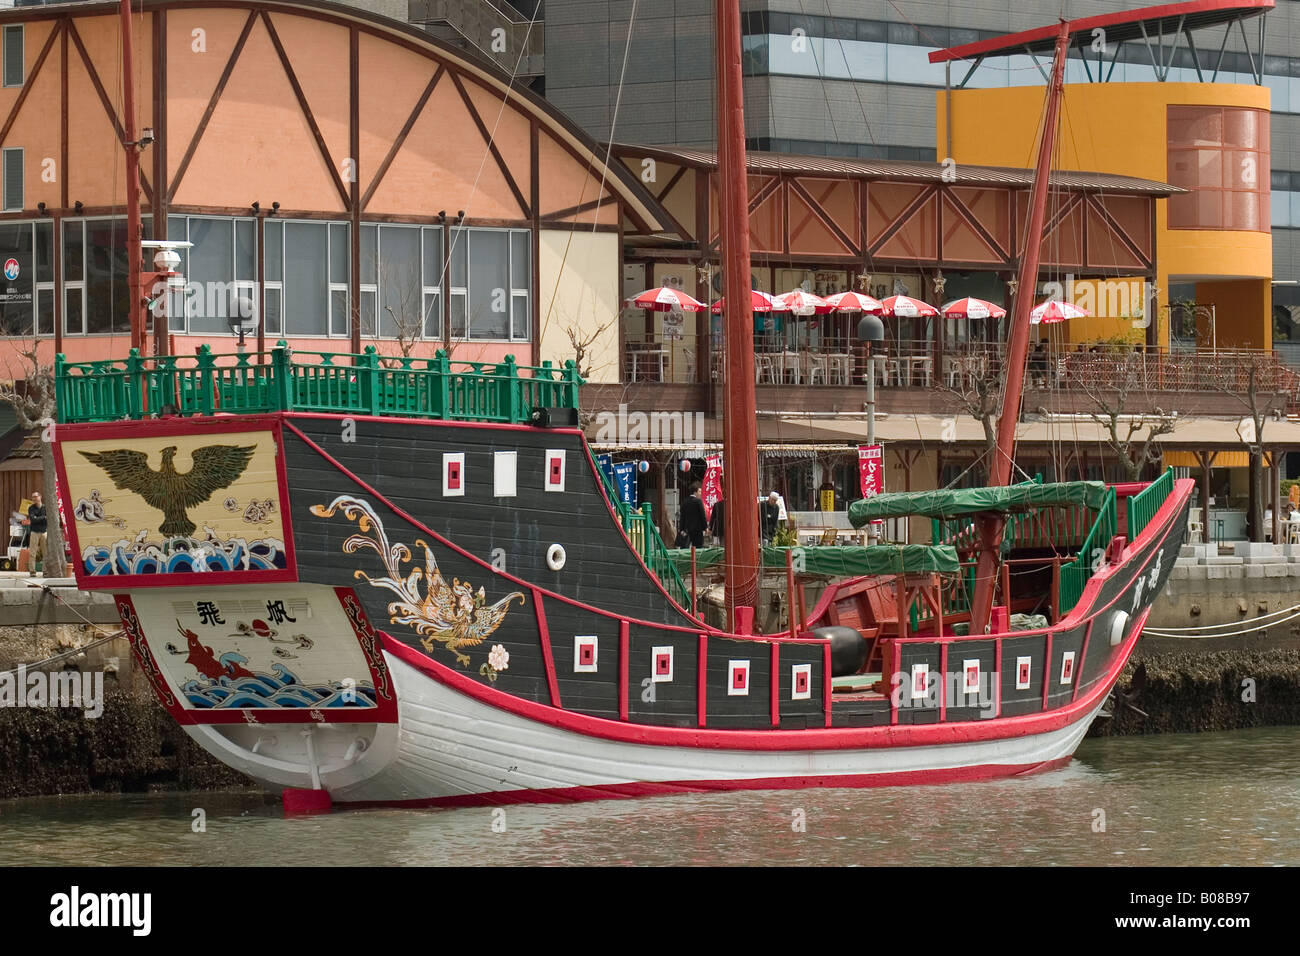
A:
{"points": [[625, 482], [606, 463]]}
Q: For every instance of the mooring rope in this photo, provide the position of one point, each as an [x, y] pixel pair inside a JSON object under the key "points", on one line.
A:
{"points": [[1261, 623]]}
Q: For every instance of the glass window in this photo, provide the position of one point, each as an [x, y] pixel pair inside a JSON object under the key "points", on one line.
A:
{"points": [[306, 279], [273, 236], [432, 315], [44, 311], [339, 253], [212, 267], [489, 284], [274, 315], [339, 312], [45, 251], [72, 311], [246, 249], [15, 67], [73, 251], [400, 304], [16, 287], [432, 256], [369, 254], [107, 299]]}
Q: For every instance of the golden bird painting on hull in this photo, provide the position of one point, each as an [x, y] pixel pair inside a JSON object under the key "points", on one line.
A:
{"points": [[176, 486]]}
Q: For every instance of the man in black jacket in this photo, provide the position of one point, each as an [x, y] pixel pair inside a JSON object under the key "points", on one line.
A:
{"points": [[694, 519], [718, 521], [35, 521]]}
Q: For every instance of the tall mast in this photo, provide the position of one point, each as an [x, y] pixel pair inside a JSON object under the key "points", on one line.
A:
{"points": [[130, 143], [991, 525], [740, 427]]}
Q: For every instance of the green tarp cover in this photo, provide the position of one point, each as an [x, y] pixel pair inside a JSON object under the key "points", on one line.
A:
{"points": [[947, 503], [833, 561]]}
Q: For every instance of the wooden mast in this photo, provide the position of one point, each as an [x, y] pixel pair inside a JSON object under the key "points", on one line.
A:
{"points": [[130, 143], [740, 427], [991, 524]]}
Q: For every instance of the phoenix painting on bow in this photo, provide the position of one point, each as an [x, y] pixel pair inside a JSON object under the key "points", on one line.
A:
{"points": [[454, 615], [186, 503]]}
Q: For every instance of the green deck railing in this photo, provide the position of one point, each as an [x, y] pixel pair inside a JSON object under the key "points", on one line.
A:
{"points": [[1075, 575], [283, 380], [1142, 507], [640, 528], [956, 599], [1059, 526]]}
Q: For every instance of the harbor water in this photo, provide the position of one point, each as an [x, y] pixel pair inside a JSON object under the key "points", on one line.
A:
{"points": [[1213, 799]]}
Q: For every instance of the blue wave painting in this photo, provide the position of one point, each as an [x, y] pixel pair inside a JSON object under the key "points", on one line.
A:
{"points": [[184, 556], [281, 689]]}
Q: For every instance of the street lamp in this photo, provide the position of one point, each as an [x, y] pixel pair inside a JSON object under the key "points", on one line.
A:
{"points": [[870, 329]]}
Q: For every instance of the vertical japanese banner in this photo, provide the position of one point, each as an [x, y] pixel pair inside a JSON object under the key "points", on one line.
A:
{"points": [[625, 482], [711, 491], [606, 464], [871, 471]]}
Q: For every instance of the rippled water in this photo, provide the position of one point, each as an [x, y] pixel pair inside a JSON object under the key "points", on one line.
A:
{"points": [[1193, 799]]}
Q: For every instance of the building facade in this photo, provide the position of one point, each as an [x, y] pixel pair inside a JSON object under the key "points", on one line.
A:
{"points": [[854, 79]]}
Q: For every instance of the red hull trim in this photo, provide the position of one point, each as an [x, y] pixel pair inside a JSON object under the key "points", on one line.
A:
{"points": [[631, 791]]}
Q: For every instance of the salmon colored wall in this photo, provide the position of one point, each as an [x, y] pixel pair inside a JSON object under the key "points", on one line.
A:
{"points": [[1122, 128], [258, 144]]}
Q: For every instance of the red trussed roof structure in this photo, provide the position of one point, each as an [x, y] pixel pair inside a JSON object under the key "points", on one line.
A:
{"points": [[1147, 22]]}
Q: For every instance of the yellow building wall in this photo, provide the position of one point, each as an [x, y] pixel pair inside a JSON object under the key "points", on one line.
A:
{"points": [[578, 275], [1122, 128]]}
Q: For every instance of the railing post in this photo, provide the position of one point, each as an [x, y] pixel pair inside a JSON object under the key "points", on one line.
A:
{"points": [[510, 381], [441, 366], [370, 363], [206, 365], [60, 398], [281, 377], [135, 385], [573, 380]]}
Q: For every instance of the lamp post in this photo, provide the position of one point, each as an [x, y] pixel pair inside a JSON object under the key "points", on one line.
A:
{"points": [[871, 329]]}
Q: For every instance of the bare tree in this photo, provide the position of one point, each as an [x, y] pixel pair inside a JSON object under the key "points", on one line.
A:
{"points": [[1260, 372], [582, 338], [978, 393], [33, 405], [1132, 437]]}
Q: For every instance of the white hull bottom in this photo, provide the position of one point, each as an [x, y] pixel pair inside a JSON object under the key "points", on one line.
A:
{"points": [[449, 748]]}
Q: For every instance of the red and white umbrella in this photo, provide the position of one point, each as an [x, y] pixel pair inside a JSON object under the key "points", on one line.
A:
{"points": [[969, 308], [854, 302], [665, 299], [804, 303], [905, 307], [759, 302], [1053, 311]]}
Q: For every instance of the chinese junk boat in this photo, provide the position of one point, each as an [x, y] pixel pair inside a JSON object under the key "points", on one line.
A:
{"points": [[402, 581]]}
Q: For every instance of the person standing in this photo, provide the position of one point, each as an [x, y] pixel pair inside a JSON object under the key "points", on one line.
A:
{"points": [[769, 516], [695, 519], [718, 521], [36, 525]]}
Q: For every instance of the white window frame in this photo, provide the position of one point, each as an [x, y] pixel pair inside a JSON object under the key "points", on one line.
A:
{"points": [[4, 46], [525, 293], [237, 284], [4, 160]]}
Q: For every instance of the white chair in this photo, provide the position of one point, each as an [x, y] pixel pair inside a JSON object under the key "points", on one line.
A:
{"points": [[925, 367], [952, 371], [814, 366], [893, 371], [1195, 531], [763, 368]]}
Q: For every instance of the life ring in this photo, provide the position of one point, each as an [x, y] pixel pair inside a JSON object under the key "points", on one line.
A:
{"points": [[555, 557], [1117, 625]]}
